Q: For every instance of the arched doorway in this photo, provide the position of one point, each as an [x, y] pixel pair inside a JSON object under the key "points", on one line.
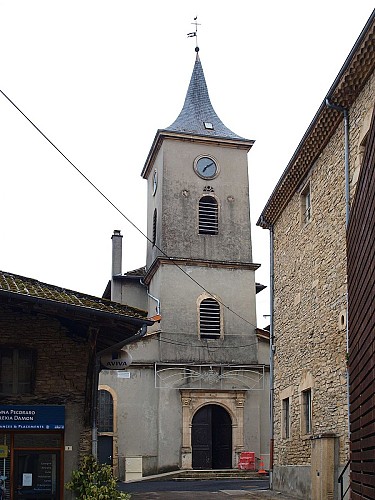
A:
{"points": [[211, 438]]}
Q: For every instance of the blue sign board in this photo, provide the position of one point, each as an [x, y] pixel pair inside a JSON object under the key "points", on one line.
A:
{"points": [[32, 417]]}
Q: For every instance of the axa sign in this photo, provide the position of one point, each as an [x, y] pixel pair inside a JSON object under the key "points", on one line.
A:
{"points": [[116, 360]]}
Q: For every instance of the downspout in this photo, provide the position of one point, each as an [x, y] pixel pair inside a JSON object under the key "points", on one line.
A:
{"points": [[272, 352], [141, 333], [265, 225], [152, 297], [345, 112]]}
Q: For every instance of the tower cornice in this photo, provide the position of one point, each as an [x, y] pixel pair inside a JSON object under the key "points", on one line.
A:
{"points": [[213, 264], [162, 134]]}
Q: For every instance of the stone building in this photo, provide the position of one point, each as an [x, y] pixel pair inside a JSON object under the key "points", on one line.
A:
{"points": [[306, 216], [203, 371], [49, 342]]}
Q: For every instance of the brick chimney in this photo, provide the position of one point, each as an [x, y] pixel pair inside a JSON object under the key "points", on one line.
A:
{"points": [[116, 253]]}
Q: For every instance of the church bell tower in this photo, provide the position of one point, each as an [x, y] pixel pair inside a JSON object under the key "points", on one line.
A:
{"points": [[200, 271], [196, 393]]}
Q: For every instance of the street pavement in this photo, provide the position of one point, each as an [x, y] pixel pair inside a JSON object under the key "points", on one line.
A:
{"points": [[229, 489]]}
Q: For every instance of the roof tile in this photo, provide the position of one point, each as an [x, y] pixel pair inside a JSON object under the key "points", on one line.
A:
{"points": [[21, 285]]}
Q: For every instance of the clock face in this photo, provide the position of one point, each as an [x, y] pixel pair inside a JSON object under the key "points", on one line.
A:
{"points": [[206, 167], [154, 182]]}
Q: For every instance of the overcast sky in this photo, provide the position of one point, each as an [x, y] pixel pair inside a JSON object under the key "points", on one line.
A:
{"points": [[99, 79]]}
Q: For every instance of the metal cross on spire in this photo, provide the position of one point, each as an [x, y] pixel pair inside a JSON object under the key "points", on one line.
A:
{"points": [[195, 33]]}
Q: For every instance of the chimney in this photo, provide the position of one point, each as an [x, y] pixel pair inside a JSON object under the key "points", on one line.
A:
{"points": [[116, 253]]}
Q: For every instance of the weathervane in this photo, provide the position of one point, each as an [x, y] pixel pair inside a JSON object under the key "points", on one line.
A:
{"points": [[195, 33]]}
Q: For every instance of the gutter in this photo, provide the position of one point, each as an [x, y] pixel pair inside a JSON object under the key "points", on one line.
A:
{"points": [[266, 225], [272, 351], [74, 308]]}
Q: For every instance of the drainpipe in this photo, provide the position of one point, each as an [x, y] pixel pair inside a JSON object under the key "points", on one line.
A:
{"points": [[141, 333], [272, 352], [152, 297], [265, 224], [345, 112]]}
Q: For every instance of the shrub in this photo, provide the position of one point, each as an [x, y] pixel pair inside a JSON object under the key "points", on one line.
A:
{"points": [[94, 481]]}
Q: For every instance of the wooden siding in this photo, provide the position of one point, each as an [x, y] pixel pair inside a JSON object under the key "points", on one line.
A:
{"points": [[361, 298]]}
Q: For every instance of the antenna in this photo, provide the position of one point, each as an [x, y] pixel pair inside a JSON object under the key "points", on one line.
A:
{"points": [[195, 33]]}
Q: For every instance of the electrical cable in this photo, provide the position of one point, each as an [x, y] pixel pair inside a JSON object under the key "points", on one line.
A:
{"points": [[208, 347], [187, 344], [123, 215]]}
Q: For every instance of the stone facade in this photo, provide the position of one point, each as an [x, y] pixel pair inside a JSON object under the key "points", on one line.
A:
{"points": [[310, 296], [310, 404], [60, 377]]}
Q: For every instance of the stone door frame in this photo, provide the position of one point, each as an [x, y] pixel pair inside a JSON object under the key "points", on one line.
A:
{"points": [[232, 401]]}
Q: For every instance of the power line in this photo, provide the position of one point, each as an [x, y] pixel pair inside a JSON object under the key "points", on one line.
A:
{"points": [[123, 215], [186, 344]]}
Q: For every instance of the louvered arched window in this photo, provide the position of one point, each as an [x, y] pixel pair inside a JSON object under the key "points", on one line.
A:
{"points": [[154, 222], [209, 319], [208, 215]]}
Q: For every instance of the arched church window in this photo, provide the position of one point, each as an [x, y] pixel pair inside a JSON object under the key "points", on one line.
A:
{"points": [[209, 319], [105, 411], [154, 222], [208, 215]]}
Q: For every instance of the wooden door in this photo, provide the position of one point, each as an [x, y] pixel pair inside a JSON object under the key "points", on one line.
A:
{"points": [[221, 438], [212, 438], [105, 449]]}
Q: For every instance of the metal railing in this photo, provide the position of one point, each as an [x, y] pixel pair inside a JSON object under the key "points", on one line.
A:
{"points": [[341, 482]]}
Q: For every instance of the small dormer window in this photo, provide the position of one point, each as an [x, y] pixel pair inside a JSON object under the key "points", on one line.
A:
{"points": [[208, 125]]}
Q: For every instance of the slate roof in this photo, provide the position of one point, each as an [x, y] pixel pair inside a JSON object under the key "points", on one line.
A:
{"points": [[198, 109], [190, 123], [13, 284], [141, 271]]}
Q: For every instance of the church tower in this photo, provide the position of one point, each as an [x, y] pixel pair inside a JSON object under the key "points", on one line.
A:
{"points": [[199, 257], [197, 396]]}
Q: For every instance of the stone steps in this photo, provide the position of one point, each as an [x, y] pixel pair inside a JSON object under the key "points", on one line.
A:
{"points": [[198, 475]]}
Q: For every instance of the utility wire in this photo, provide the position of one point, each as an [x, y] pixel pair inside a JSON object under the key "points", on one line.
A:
{"points": [[186, 344], [123, 215]]}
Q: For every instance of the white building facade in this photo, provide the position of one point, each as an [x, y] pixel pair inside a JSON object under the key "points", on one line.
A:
{"points": [[196, 393]]}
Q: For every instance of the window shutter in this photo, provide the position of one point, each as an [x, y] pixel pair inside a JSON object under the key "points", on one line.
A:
{"points": [[208, 215], [154, 222], [209, 318]]}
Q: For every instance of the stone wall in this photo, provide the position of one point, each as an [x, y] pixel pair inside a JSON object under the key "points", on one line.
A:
{"points": [[60, 378], [310, 298]]}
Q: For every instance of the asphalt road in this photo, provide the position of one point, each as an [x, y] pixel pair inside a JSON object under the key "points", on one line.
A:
{"points": [[193, 485], [223, 489]]}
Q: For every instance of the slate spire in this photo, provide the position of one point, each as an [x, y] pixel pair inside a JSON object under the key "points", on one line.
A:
{"points": [[197, 116]]}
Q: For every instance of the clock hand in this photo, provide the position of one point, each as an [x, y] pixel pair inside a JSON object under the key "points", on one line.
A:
{"points": [[206, 167]]}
